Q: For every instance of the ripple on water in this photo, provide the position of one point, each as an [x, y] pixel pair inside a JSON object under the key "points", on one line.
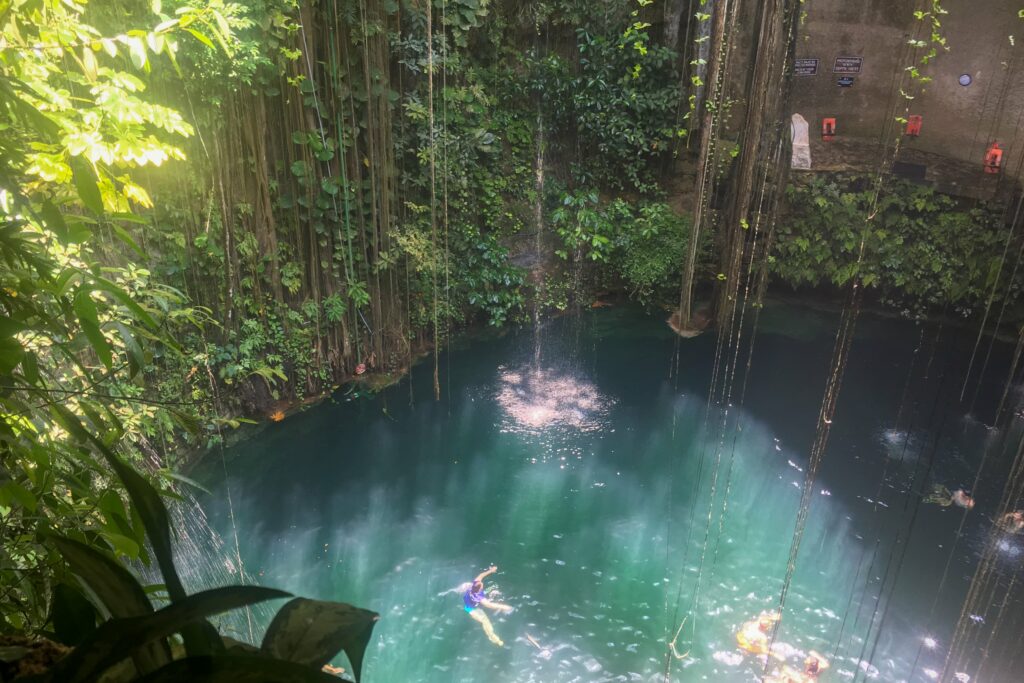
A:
{"points": [[535, 400]]}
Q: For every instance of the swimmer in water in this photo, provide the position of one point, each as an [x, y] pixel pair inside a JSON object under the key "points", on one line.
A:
{"points": [[754, 635], [475, 597], [1012, 522], [814, 664], [940, 495]]}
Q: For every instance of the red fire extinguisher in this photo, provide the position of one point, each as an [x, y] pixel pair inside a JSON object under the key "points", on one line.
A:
{"points": [[993, 158], [828, 129], [914, 125]]}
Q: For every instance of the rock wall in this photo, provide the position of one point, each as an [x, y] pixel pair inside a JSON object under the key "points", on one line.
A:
{"points": [[959, 122]]}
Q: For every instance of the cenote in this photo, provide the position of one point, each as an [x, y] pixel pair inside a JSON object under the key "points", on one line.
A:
{"points": [[579, 458], [700, 323]]}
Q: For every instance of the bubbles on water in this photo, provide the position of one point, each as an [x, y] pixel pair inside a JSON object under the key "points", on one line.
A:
{"points": [[539, 399], [899, 445], [728, 658]]}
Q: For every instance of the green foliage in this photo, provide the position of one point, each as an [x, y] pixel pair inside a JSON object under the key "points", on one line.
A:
{"points": [[619, 106], [482, 162], [650, 254], [77, 331], [338, 627], [636, 245], [587, 229], [304, 635], [923, 251]]}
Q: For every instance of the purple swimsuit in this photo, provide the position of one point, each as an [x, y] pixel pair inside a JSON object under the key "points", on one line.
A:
{"points": [[472, 600]]}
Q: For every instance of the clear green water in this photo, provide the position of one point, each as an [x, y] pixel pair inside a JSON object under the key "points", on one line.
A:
{"points": [[579, 474]]}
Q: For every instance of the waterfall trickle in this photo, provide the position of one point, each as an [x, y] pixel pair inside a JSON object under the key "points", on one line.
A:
{"points": [[538, 214]]}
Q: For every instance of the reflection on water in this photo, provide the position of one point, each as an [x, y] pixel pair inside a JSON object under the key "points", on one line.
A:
{"points": [[396, 510]]}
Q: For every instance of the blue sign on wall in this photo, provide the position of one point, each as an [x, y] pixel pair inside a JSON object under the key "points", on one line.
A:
{"points": [[844, 81]]}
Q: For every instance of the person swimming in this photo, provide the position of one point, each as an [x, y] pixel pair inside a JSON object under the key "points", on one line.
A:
{"points": [[475, 597], [1012, 522], [754, 635], [941, 495], [814, 664]]}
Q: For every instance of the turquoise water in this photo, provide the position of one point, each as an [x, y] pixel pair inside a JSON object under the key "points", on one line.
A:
{"points": [[583, 467]]}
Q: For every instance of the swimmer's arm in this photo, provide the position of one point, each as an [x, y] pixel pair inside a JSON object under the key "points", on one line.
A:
{"points": [[496, 606], [485, 574]]}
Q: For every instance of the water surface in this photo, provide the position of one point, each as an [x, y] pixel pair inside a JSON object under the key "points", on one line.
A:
{"points": [[584, 467]]}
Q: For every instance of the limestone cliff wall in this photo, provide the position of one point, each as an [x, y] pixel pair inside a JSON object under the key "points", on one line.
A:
{"points": [[959, 121]]}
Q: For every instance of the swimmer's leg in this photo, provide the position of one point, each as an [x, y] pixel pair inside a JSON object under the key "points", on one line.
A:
{"points": [[481, 616]]}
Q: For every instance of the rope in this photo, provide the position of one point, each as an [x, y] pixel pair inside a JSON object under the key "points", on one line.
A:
{"points": [[231, 505], [878, 491], [1002, 260], [444, 200], [733, 341], [983, 577], [844, 338]]}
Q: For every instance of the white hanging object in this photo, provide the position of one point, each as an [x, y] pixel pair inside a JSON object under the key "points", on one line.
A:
{"points": [[801, 143]]}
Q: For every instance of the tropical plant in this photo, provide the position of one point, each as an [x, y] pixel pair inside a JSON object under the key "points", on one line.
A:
{"points": [[649, 254], [619, 108], [923, 251], [77, 332], [106, 616]]}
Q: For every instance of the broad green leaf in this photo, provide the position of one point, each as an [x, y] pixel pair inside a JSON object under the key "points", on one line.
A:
{"points": [[200, 639], [137, 52], [122, 544], [118, 639], [125, 238], [146, 501], [201, 38], [136, 357], [237, 668], [30, 368], [89, 64], [86, 183], [113, 586], [312, 632], [85, 309], [185, 480], [13, 494], [53, 219], [11, 354], [129, 218], [12, 653], [113, 589], [155, 41], [126, 300], [73, 617]]}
